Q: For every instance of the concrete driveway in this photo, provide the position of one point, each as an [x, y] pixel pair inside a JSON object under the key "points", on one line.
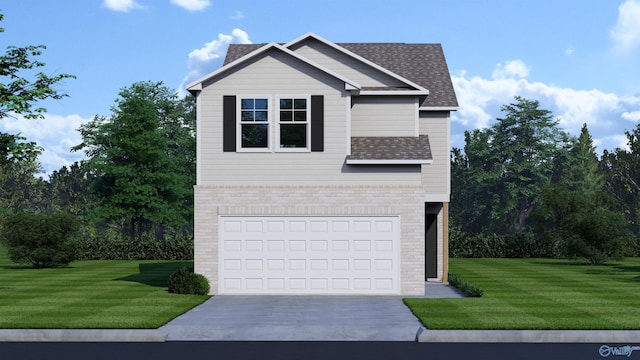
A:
{"points": [[296, 318], [302, 318]]}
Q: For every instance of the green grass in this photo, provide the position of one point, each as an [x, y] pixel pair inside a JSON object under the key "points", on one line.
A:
{"points": [[90, 295], [539, 294]]}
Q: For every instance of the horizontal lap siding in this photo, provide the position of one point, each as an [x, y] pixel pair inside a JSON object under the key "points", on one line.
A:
{"points": [[383, 116], [284, 75], [340, 63], [435, 176]]}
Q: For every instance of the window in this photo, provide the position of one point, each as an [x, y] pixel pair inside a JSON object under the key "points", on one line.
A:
{"points": [[250, 123], [254, 123], [293, 123]]}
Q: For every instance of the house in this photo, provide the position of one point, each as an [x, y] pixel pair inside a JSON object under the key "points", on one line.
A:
{"points": [[323, 168]]}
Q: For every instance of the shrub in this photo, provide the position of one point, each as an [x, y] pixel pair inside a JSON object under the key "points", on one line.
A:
{"points": [[597, 236], [42, 240], [464, 286], [185, 281]]}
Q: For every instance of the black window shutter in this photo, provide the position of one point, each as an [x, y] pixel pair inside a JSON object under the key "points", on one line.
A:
{"points": [[317, 123], [229, 123]]}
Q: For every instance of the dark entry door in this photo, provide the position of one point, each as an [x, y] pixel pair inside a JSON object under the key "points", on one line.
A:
{"points": [[431, 246]]}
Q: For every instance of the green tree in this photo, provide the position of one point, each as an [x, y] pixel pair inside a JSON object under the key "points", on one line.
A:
{"points": [[68, 190], [22, 86], [19, 91], [133, 158], [19, 188], [621, 171], [505, 168], [576, 177], [178, 127], [580, 170]]}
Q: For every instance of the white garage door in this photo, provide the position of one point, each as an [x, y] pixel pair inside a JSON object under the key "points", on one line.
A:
{"points": [[309, 255]]}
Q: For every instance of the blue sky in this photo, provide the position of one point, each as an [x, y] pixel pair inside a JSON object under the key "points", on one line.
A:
{"points": [[580, 59]]}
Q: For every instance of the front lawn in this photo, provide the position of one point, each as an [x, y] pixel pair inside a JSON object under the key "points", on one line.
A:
{"points": [[90, 295], [542, 294]]}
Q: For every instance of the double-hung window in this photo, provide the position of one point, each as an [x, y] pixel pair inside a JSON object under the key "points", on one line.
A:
{"points": [[293, 130], [254, 123], [267, 123]]}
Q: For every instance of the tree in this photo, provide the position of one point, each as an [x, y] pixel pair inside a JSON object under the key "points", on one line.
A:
{"points": [[621, 170], [18, 93], [133, 157], [506, 166], [68, 190], [19, 188], [20, 90], [577, 185], [580, 168]]}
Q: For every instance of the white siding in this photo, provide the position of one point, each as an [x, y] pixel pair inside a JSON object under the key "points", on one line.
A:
{"points": [[383, 116], [355, 70], [277, 73], [435, 176]]}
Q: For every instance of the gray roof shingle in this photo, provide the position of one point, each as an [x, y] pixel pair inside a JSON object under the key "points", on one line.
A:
{"points": [[391, 148], [423, 64]]}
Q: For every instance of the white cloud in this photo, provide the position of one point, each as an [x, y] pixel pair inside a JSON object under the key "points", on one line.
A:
{"points": [[192, 5], [631, 115], [237, 15], [569, 51], [121, 5], [55, 133], [606, 114], [207, 58], [509, 69], [626, 32]]}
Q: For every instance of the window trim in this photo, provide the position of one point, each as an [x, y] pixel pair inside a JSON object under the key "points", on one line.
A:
{"points": [[277, 123], [239, 123]]}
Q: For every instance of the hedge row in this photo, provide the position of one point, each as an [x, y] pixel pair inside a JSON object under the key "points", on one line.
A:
{"points": [[122, 248], [464, 245]]}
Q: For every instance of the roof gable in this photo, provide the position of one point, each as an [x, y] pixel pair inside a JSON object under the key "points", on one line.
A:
{"points": [[406, 84], [257, 51], [423, 63]]}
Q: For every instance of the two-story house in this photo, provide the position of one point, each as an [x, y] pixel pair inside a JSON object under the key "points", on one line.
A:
{"points": [[323, 168]]}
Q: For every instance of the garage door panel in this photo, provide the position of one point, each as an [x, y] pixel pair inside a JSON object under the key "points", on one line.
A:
{"points": [[309, 255]]}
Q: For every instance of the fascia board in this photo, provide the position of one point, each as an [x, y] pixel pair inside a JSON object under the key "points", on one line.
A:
{"points": [[394, 92], [439, 108], [388, 162]]}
